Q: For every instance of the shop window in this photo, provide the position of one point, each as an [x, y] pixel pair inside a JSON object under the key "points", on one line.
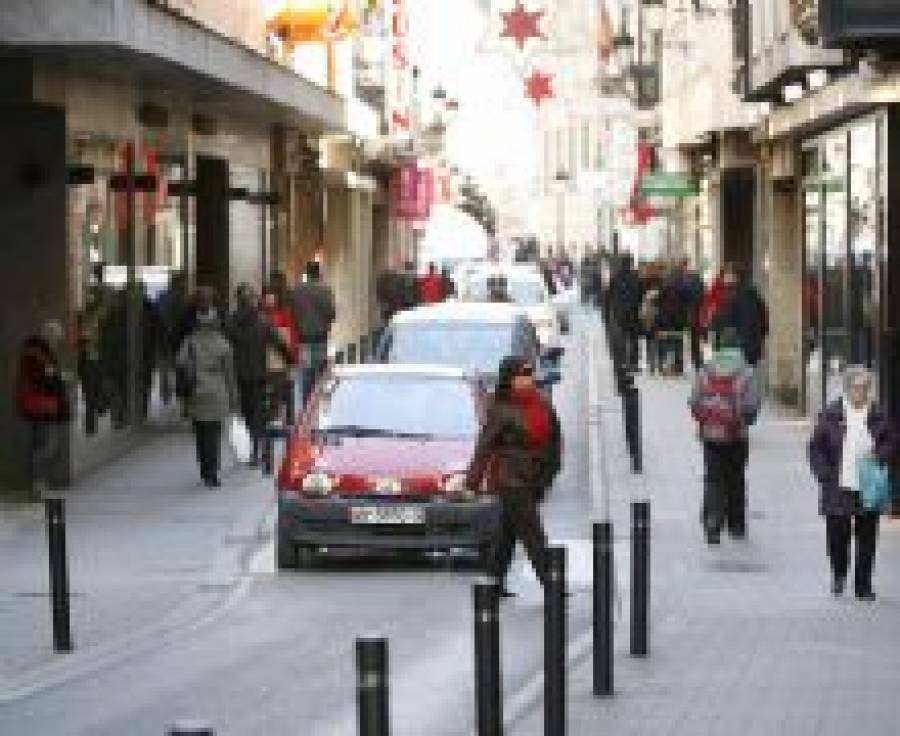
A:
{"points": [[835, 276]]}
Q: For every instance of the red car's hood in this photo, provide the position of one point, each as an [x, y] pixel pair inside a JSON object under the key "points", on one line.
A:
{"points": [[390, 457]]}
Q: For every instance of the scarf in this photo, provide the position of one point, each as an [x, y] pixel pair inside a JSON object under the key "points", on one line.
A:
{"points": [[857, 444], [535, 414]]}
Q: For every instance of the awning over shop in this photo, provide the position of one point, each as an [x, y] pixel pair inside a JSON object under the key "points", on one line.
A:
{"points": [[133, 39]]}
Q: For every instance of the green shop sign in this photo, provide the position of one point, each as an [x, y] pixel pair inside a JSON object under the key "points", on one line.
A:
{"points": [[668, 184]]}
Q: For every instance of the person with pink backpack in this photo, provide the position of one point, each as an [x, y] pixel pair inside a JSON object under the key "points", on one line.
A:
{"points": [[725, 402]]}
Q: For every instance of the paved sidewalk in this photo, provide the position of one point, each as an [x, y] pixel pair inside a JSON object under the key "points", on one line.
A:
{"points": [[745, 638], [151, 550]]}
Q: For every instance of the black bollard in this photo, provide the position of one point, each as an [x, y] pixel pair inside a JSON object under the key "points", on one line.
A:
{"points": [[604, 562], [631, 400], [555, 643], [372, 686], [268, 450], [488, 677], [640, 577], [191, 728], [55, 513]]}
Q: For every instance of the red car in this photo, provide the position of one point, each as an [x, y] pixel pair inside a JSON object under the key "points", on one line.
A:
{"points": [[377, 462]]}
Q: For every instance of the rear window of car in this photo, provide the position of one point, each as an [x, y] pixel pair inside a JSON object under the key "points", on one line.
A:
{"points": [[478, 348], [396, 404], [524, 291]]}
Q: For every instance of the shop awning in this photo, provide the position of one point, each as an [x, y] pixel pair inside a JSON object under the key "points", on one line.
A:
{"points": [[161, 50]]}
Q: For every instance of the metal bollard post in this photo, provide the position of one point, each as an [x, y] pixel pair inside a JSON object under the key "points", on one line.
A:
{"points": [[372, 686], [640, 577], [191, 728], [631, 399], [488, 677], [603, 608], [555, 643], [55, 512], [268, 458]]}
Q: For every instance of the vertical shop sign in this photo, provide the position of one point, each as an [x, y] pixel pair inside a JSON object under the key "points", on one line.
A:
{"points": [[400, 70], [412, 192]]}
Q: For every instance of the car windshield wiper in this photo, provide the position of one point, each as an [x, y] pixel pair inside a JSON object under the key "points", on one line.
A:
{"points": [[353, 430]]}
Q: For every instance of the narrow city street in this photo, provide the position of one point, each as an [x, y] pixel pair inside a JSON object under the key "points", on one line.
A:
{"points": [[275, 655]]}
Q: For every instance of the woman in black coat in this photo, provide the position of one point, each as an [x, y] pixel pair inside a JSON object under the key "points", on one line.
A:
{"points": [[848, 430]]}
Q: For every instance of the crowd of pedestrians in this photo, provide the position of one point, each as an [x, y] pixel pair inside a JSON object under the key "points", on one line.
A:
{"points": [[854, 445]]}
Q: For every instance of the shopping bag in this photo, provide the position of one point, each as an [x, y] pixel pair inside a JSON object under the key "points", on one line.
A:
{"points": [[874, 484], [239, 438]]}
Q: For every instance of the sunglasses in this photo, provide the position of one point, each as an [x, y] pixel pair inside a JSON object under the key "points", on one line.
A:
{"points": [[525, 371]]}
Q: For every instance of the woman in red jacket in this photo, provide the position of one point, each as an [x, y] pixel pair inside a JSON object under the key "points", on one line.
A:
{"points": [[42, 400]]}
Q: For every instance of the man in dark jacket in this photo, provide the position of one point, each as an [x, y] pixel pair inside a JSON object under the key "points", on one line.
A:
{"points": [[314, 313], [624, 295], [251, 338], [519, 451], [743, 310]]}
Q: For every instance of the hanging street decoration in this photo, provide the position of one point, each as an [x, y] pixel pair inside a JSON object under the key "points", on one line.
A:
{"points": [[539, 87], [520, 24]]}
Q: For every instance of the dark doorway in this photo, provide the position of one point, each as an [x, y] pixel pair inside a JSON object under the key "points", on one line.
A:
{"points": [[738, 212], [213, 225]]}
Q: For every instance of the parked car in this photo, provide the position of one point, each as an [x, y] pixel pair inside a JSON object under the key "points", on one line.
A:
{"points": [[528, 289], [471, 336], [378, 462]]}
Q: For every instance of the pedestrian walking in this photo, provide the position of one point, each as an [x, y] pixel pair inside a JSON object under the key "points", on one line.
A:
{"points": [[624, 296], [742, 309], [205, 363], [725, 403], [671, 323], [314, 313], [277, 307], [42, 401], [852, 433], [692, 297], [518, 453], [252, 336]]}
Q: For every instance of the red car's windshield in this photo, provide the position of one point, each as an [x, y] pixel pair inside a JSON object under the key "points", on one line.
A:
{"points": [[397, 405]]}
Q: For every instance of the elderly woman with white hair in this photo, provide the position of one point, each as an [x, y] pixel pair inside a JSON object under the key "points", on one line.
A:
{"points": [[852, 435]]}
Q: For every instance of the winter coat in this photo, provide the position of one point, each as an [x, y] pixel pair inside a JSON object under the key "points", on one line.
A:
{"points": [[214, 396], [672, 313], [746, 313], [251, 337], [825, 451], [625, 292], [314, 311], [40, 390], [732, 363], [504, 457]]}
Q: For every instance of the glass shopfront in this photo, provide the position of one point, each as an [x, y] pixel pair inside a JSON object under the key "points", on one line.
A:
{"points": [[129, 251], [845, 258]]}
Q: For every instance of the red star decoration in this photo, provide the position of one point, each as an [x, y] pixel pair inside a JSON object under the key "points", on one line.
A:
{"points": [[539, 87], [520, 24]]}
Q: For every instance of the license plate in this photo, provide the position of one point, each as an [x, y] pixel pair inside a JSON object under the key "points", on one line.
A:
{"points": [[387, 515]]}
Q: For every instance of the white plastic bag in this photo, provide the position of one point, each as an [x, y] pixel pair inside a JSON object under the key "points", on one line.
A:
{"points": [[239, 438]]}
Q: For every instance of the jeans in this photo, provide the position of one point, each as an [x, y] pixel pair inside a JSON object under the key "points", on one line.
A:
{"points": [[313, 358], [43, 453], [724, 486]]}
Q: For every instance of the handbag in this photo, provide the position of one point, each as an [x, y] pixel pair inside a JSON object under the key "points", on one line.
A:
{"points": [[874, 484], [240, 440]]}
